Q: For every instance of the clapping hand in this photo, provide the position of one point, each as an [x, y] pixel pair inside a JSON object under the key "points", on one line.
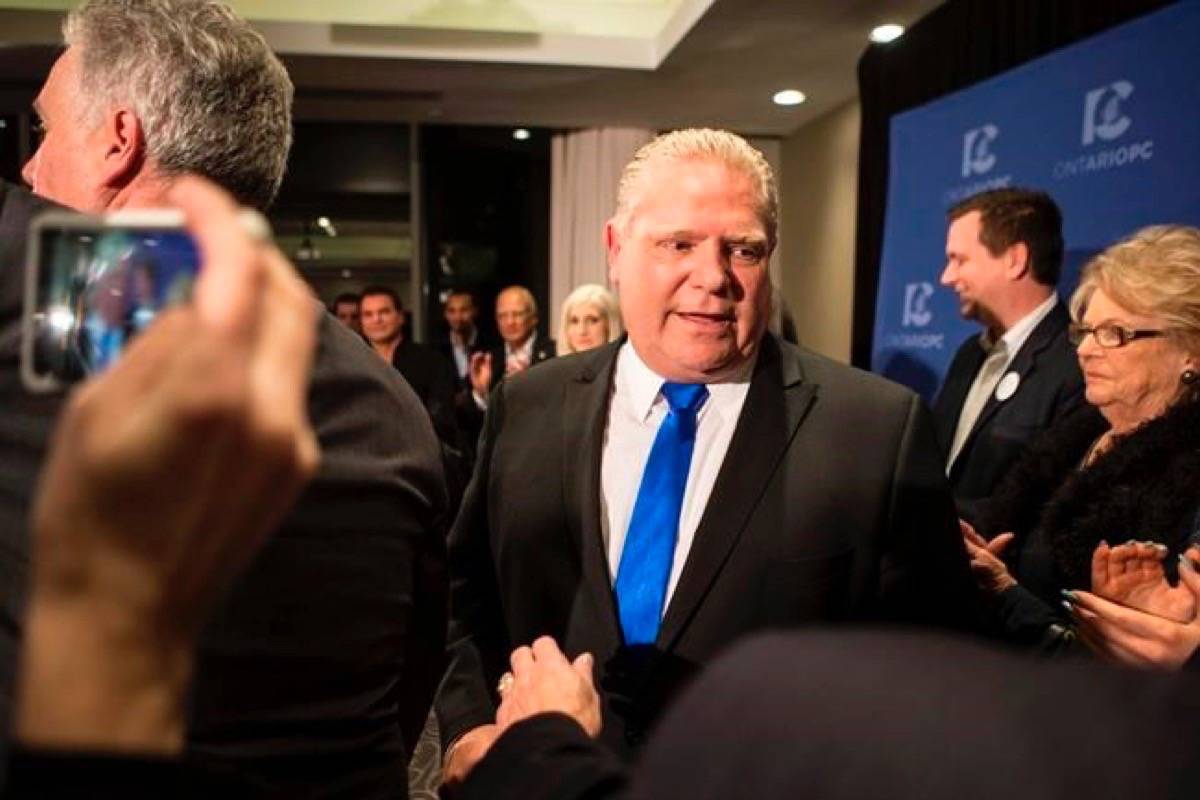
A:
{"points": [[990, 571], [1136, 636]]}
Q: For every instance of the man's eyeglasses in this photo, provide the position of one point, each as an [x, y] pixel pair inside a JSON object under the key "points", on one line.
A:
{"points": [[1109, 335]]}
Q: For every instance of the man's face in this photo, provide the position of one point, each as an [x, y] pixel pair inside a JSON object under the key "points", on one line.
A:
{"points": [[381, 320], [347, 314], [460, 313], [691, 267], [975, 275], [65, 167], [514, 318]]}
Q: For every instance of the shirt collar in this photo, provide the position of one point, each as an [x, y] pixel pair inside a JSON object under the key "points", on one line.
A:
{"points": [[525, 349], [644, 384], [1015, 337]]}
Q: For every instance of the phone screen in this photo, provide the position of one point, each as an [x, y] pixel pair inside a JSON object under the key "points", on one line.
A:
{"points": [[97, 287]]}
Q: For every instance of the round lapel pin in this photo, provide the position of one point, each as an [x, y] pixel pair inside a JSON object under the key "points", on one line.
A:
{"points": [[1007, 386]]}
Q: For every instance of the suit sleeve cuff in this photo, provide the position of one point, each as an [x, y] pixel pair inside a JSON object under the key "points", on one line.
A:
{"points": [[547, 756]]}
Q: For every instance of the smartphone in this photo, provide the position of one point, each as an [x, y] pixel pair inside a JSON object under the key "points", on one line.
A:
{"points": [[93, 284]]}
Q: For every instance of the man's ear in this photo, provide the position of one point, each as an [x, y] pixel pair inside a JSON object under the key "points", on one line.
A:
{"points": [[123, 148], [612, 246], [1017, 258]]}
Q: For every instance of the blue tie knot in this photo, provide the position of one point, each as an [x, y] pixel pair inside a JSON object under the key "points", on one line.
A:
{"points": [[685, 397]]}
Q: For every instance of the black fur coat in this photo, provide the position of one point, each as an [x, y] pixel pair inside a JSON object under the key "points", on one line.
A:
{"points": [[1146, 487]]}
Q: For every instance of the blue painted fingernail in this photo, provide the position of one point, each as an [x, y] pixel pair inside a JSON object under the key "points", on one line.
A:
{"points": [[1067, 593], [1186, 563]]}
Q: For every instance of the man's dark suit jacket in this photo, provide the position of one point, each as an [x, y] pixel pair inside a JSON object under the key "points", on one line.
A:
{"points": [[446, 348], [543, 350], [470, 416], [1051, 386], [322, 661], [830, 506], [432, 377], [848, 716]]}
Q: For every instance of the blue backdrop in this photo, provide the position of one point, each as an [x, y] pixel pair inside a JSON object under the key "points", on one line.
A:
{"points": [[1110, 127]]}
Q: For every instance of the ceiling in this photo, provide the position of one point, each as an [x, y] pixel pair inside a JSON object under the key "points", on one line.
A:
{"points": [[552, 63]]}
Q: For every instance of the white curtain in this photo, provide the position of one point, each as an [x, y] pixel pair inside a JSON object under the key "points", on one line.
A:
{"points": [[585, 170]]}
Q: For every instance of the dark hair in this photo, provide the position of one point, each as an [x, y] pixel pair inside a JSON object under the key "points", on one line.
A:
{"points": [[345, 297], [371, 291], [460, 293], [1009, 216]]}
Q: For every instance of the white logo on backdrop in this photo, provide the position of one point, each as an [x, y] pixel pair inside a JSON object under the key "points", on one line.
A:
{"points": [[1102, 117], [1104, 121], [977, 157], [916, 305]]}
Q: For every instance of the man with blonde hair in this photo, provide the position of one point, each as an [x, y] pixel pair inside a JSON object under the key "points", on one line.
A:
{"points": [[652, 500]]}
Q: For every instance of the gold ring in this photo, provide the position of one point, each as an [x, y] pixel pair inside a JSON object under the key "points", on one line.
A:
{"points": [[505, 683]]}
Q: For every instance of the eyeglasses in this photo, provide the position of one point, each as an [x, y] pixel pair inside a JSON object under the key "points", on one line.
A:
{"points": [[504, 316], [1109, 335]]}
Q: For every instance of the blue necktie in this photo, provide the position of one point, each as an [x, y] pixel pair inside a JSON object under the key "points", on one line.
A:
{"points": [[650, 541]]}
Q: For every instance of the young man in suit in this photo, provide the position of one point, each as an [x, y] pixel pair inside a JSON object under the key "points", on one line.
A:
{"points": [[655, 499], [1005, 386]]}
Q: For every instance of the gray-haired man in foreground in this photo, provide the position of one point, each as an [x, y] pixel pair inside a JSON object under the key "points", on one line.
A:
{"points": [[323, 658]]}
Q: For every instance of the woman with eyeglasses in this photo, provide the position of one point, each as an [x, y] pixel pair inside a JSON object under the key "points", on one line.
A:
{"points": [[1057, 550]]}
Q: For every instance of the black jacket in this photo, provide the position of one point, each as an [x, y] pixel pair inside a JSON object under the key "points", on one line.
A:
{"points": [[830, 506], [1050, 387], [319, 666], [1146, 487]]}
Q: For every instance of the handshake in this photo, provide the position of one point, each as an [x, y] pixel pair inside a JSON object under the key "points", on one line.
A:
{"points": [[542, 681]]}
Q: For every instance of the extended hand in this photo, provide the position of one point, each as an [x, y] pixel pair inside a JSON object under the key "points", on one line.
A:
{"points": [[466, 752], [544, 681], [1132, 574], [991, 573]]}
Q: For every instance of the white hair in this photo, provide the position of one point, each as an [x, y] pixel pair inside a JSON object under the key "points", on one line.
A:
{"points": [[211, 97], [589, 294]]}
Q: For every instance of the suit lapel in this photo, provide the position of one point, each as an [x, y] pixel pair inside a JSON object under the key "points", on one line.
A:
{"points": [[1023, 365], [585, 413], [776, 404]]}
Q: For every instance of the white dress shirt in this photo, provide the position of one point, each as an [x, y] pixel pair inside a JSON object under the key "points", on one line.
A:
{"points": [[461, 347], [635, 411], [988, 377]]}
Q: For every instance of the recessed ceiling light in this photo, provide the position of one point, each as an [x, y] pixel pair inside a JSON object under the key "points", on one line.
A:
{"points": [[887, 33], [521, 134], [789, 97]]}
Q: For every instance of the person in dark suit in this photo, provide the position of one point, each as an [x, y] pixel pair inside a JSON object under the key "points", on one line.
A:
{"points": [[850, 715], [520, 347], [320, 664], [345, 308], [463, 337], [1004, 254], [655, 499], [427, 371]]}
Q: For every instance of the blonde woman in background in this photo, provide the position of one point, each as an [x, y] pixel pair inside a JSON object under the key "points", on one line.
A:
{"points": [[590, 318]]}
